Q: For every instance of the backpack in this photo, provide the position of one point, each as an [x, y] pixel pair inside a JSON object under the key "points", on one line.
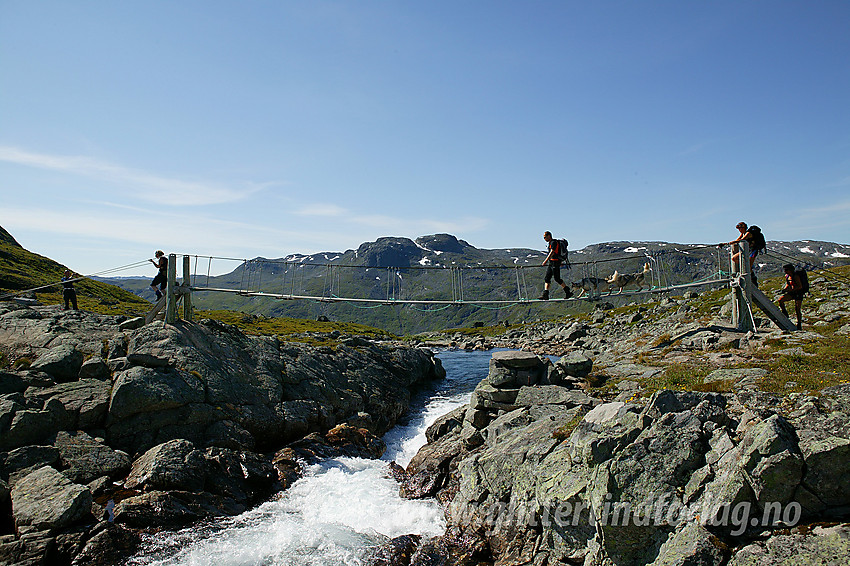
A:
{"points": [[803, 276], [758, 242], [563, 253]]}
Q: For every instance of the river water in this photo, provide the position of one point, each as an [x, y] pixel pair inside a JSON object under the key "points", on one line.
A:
{"points": [[341, 509]]}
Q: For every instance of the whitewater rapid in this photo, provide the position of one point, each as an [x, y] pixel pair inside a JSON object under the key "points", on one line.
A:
{"points": [[341, 510]]}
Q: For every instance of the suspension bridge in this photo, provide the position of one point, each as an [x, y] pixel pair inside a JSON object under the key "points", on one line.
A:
{"points": [[449, 286], [329, 283]]}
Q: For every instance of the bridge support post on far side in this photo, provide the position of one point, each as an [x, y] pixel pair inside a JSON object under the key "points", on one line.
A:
{"points": [[171, 291], [186, 290]]}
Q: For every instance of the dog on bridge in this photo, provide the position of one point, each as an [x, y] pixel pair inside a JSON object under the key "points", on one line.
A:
{"points": [[625, 279], [590, 285]]}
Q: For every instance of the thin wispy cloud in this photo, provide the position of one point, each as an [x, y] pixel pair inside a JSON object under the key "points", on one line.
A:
{"points": [[321, 209], [420, 226], [194, 234], [150, 187]]}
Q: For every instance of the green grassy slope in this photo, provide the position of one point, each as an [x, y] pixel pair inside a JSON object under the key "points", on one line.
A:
{"points": [[21, 270]]}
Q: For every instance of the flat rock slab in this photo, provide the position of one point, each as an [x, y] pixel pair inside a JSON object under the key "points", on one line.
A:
{"points": [[604, 413], [517, 360], [632, 371], [551, 395], [735, 375], [46, 499]]}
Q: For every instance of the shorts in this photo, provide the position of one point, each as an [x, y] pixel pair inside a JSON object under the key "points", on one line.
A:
{"points": [[160, 278], [554, 270], [793, 295]]}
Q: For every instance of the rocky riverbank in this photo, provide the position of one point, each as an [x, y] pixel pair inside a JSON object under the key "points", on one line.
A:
{"points": [[588, 460], [109, 427]]}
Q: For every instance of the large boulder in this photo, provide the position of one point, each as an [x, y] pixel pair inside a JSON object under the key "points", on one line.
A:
{"points": [[826, 545], [575, 364], [62, 362], [34, 426], [27, 459], [146, 390], [46, 499], [84, 459], [173, 465], [86, 400]]}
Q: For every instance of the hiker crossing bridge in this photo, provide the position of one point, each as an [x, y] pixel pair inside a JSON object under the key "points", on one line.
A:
{"points": [[282, 282]]}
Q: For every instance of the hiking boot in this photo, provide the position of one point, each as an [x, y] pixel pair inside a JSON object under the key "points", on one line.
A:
{"points": [[799, 326], [567, 293], [158, 295], [544, 296], [754, 279]]}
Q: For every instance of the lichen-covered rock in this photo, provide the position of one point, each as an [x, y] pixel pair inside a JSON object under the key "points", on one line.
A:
{"points": [[46, 499], [84, 459], [772, 460], [575, 364], [86, 400], [175, 464], [62, 362], [94, 368], [823, 546], [691, 545], [110, 544]]}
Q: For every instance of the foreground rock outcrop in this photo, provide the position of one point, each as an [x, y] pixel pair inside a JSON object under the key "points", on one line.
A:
{"points": [[536, 472], [107, 427]]}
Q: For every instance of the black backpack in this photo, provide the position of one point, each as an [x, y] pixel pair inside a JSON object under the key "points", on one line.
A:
{"points": [[803, 276], [563, 253], [758, 243]]}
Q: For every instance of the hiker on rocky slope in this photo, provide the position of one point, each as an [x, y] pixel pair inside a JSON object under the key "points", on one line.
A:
{"points": [[793, 291]]}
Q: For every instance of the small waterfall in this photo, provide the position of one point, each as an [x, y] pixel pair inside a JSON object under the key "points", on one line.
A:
{"points": [[340, 510]]}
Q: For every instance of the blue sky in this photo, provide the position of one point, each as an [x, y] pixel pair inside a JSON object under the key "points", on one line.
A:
{"points": [[263, 128]]}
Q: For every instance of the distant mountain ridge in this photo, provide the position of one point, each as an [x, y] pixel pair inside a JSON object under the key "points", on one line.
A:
{"points": [[428, 251]]}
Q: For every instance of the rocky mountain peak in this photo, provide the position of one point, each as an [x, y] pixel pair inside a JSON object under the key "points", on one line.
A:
{"points": [[388, 252], [442, 243]]}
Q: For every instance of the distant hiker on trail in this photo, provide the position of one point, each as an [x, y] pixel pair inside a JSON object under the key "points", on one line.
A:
{"points": [[69, 294], [161, 278], [793, 291], [557, 253], [753, 236]]}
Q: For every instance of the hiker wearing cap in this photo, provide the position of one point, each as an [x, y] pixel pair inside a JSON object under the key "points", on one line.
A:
{"points": [[556, 252], [161, 279], [69, 294]]}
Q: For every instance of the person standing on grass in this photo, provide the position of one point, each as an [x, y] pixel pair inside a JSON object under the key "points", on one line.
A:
{"points": [[69, 294], [554, 269]]}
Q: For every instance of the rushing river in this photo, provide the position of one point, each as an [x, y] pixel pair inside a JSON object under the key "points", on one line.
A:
{"points": [[340, 510]]}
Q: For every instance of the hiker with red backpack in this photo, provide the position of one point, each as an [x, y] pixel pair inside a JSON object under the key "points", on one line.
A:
{"points": [[796, 285], [557, 255]]}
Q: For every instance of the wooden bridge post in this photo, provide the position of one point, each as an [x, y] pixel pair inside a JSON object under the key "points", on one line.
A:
{"points": [[170, 291], [186, 288], [742, 305]]}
